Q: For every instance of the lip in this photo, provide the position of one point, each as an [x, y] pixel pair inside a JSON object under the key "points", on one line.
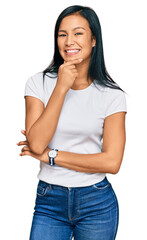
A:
{"points": [[72, 53]]}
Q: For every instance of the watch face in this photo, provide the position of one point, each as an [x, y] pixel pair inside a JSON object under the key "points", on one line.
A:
{"points": [[52, 153]]}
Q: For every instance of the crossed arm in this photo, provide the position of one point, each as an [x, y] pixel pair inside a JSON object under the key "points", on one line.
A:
{"points": [[108, 161]]}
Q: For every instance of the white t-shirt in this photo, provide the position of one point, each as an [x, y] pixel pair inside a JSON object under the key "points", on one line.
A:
{"points": [[80, 126]]}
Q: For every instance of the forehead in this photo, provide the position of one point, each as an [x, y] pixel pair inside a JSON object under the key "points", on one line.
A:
{"points": [[73, 21]]}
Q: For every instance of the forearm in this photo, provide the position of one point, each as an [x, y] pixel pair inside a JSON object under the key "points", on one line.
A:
{"points": [[90, 163], [42, 131]]}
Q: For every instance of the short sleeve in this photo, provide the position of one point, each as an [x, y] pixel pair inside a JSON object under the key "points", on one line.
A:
{"points": [[115, 101], [34, 87]]}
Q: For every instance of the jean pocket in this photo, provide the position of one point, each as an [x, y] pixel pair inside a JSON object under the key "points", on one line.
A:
{"points": [[102, 185], [41, 190]]}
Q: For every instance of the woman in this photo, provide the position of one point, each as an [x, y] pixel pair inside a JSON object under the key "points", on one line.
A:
{"points": [[75, 126]]}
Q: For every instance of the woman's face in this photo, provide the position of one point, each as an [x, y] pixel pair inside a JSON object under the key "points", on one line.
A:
{"points": [[75, 38]]}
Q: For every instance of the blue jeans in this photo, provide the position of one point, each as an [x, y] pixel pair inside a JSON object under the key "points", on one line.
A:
{"points": [[85, 213]]}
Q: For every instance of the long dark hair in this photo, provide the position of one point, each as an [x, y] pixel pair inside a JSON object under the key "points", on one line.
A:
{"points": [[97, 69]]}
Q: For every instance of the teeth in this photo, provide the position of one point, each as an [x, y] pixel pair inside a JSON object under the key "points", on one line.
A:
{"points": [[71, 51]]}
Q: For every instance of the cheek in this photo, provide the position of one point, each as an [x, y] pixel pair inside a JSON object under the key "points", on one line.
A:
{"points": [[86, 43], [87, 48], [60, 44], [60, 48]]}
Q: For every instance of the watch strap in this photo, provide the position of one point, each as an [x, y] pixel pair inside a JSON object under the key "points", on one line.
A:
{"points": [[51, 159]]}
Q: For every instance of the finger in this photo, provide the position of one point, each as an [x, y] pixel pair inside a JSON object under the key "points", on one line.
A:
{"points": [[75, 61], [26, 148], [23, 132], [71, 66], [22, 143], [28, 153], [74, 71]]}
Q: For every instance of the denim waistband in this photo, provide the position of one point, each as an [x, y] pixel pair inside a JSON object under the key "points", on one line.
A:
{"points": [[53, 186]]}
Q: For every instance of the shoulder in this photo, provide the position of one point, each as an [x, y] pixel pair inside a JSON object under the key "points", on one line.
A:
{"points": [[50, 80], [39, 86], [114, 95], [109, 93], [37, 80], [113, 100], [34, 86]]}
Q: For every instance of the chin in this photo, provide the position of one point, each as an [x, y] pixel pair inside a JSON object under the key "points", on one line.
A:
{"points": [[71, 58]]}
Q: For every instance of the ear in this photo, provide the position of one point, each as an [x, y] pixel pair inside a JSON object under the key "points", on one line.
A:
{"points": [[93, 41]]}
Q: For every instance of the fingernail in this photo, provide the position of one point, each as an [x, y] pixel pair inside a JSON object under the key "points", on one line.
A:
{"points": [[80, 59]]}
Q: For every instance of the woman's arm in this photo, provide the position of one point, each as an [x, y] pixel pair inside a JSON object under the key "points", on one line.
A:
{"points": [[109, 160], [41, 123]]}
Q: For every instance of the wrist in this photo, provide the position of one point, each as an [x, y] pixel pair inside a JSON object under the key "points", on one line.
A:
{"points": [[52, 154], [56, 160], [60, 89]]}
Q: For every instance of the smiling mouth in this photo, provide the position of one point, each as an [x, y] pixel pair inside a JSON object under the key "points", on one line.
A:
{"points": [[72, 52]]}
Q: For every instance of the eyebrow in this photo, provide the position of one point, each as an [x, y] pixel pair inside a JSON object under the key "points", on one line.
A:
{"points": [[72, 29]]}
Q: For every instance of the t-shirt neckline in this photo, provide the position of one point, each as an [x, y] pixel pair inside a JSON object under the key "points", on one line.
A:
{"points": [[82, 90]]}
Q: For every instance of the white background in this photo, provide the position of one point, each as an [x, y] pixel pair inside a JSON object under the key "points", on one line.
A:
{"points": [[27, 35]]}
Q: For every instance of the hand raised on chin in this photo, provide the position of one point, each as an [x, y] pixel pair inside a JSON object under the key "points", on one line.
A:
{"points": [[67, 74]]}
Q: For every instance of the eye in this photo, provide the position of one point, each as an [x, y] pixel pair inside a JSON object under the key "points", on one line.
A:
{"points": [[79, 33], [61, 35]]}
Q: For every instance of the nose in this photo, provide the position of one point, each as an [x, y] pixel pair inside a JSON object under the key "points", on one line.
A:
{"points": [[69, 40]]}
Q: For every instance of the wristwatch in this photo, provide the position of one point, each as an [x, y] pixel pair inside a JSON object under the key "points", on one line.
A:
{"points": [[52, 154]]}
